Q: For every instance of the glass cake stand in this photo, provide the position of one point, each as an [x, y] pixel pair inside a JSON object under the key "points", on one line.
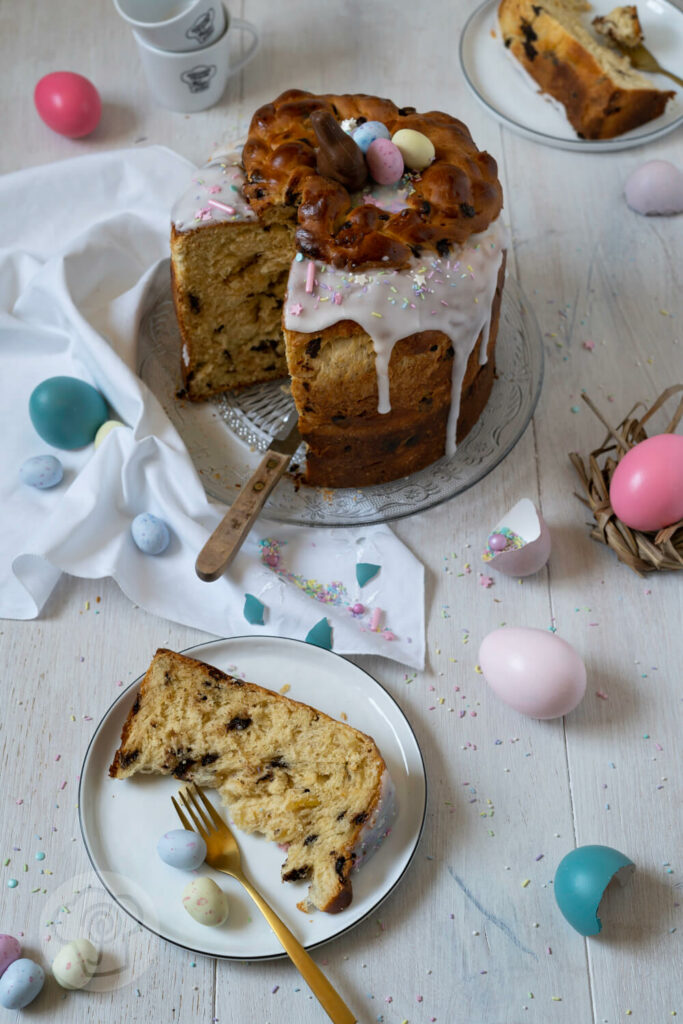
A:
{"points": [[226, 436]]}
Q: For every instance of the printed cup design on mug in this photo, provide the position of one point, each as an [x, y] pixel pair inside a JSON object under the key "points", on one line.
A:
{"points": [[198, 78], [202, 29]]}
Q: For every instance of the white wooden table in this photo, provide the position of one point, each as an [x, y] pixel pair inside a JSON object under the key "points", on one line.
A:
{"points": [[464, 940]]}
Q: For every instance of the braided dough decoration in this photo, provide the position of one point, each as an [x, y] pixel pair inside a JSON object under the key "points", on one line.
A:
{"points": [[458, 195]]}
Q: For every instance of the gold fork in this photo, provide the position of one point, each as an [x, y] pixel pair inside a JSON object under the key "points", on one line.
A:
{"points": [[642, 59], [223, 854]]}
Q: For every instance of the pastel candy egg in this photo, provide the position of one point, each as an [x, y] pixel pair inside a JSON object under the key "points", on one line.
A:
{"points": [[75, 964], [42, 471], [206, 902], [385, 161], [646, 489], [10, 950], [581, 880], [182, 849], [68, 103], [106, 429], [416, 149], [20, 984], [655, 188], [67, 412], [533, 671], [365, 134], [150, 533]]}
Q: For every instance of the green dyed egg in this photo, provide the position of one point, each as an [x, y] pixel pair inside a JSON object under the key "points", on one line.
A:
{"points": [[67, 412]]}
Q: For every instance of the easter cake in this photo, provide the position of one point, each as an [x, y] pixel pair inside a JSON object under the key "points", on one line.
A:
{"points": [[357, 248], [603, 96], [314, 785]]}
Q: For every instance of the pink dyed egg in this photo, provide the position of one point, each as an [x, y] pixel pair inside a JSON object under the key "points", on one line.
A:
{"points": [[646, 491], [68, 103], [385, 161], [655, 188], [533, 671]]}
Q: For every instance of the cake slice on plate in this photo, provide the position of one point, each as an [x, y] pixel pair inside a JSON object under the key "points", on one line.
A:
{"points": [[317, 786]]}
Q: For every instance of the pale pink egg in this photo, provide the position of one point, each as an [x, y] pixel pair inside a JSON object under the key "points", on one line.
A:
{"points": [[68, 103], [385, 161], [646, 491], [533, 671]]}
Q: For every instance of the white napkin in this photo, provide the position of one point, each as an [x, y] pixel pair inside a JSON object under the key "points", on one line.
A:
{"points": [[85, 255]]}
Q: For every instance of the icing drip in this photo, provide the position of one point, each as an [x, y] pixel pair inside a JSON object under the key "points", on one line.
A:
{"points": [[451, 294], [215, 195], [378, 826]]}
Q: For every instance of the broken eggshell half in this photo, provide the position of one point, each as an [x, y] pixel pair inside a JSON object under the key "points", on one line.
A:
{"points": [[519, 545], [581, 880]]}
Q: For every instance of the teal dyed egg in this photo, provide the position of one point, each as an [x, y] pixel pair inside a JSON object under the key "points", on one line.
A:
{"points": [[67, 412], [580, 882]]}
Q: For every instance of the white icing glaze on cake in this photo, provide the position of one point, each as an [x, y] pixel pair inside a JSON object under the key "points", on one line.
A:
{"points": [[451, 294], [378, 826], [214, 196]]}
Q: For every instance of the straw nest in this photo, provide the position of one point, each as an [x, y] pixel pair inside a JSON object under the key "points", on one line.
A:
{"points": [[641, 552]]}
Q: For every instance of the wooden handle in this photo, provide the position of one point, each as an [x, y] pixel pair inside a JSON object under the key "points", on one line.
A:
{"points": [[325, 993], [229, 535]]}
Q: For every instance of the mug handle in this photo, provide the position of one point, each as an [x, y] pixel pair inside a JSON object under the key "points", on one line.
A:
{"points": [[246, 26]]}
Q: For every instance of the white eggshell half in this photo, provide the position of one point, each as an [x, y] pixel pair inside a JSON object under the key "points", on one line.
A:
{"points": [[533, 671], [75, 964], [527, 522]]}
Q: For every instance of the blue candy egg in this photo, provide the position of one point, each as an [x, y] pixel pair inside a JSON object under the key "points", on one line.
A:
{"points": [[150, 533], [182, 849], [67, 412], [364, 134], [580, 882], [42, 471], [20, 984]]}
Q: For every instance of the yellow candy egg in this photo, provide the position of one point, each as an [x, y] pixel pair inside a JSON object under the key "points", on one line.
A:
{"points": [[105, 429], [416, 149]]}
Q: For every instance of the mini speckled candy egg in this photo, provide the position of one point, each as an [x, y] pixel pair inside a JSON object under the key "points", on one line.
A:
{"points": [[646, 489], [581, 880], [20, 984], [10, 950], [206, 902], [533, 671], [42, 471], [655, 189], [384, 161], [75, 964], [365, 134], [67, 412], [150, 533], [416, 149], [182, 849]]}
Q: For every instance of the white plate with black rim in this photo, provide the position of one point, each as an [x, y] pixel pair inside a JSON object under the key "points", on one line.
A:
{"points": [[122, 820], [510, 95]]}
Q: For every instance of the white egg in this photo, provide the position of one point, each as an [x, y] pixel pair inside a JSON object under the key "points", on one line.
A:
{"points": [[519, 545], [206, 902], [75, 964], [655, 188]]}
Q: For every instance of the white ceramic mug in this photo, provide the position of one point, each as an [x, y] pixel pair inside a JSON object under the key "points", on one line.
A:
{"points": [[176, 25], [195, 80]]}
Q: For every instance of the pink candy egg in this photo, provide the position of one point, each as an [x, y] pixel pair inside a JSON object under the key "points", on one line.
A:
{"points": [[385, 161], [68, 103], [646, 491]]}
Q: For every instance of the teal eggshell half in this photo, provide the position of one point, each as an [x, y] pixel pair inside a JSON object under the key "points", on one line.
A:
{"points": [[580, 882], [67, 412]]}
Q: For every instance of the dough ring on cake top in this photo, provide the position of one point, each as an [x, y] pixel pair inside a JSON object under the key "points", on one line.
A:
{"points": [[457, 196]]}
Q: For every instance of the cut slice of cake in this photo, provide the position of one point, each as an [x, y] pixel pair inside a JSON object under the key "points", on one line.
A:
{"points": [[602, 94], [317, 786]]}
